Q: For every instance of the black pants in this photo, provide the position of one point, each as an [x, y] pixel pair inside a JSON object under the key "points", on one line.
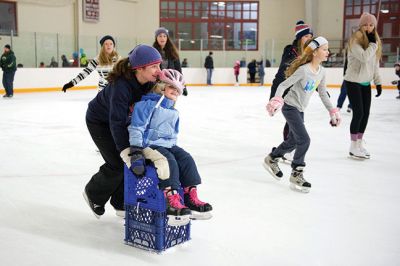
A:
{"points": [[8, 82], [108, 182], [360, 100], [252, 77]]}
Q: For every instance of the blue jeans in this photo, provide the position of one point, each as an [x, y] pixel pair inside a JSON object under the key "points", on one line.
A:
{"points": [[182, 168], [8, 82], [298, 137], [209, 75], [342, 96]]}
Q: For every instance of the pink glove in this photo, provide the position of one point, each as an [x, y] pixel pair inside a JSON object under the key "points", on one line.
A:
{"points": [[335, 117], [274, 105]]}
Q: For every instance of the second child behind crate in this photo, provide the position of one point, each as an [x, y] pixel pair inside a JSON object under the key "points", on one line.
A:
{"points": [[153, 135]]}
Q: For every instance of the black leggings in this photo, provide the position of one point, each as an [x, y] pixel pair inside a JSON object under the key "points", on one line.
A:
{"points": [[360, 100]]}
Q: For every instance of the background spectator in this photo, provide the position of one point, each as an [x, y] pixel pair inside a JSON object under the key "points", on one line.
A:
{"points": [[65, 62], [53, 62], [9, 66], [185, 63], [209, 65], [252, 66]]}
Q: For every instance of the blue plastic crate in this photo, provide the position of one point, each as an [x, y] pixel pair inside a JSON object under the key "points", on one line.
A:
{"points": [[145, 217], [149, 230]]}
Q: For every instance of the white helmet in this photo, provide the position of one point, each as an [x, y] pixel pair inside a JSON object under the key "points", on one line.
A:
{"points": [[174, 78]]}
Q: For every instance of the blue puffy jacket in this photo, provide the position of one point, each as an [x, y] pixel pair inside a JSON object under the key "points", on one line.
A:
{"points": [[152, 124], [113, 106]]}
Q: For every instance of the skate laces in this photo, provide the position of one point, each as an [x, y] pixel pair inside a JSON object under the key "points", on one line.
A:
{"points": [[193, 197], [174, 201], [298, 175]]}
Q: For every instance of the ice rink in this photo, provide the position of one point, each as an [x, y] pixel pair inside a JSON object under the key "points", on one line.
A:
{"points": [[350, 217]]}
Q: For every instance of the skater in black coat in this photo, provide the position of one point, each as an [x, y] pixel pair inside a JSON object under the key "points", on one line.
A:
{"points": [[107, 118]]}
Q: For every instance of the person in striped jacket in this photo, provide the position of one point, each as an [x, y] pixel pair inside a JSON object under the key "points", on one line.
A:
{"points": [[103, 63]]}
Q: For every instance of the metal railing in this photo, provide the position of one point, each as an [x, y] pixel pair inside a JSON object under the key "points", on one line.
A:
{"points": [[31, 48]]}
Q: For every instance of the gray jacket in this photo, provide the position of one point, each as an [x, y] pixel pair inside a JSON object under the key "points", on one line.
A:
{"points": [[304, 82], [362, 65]]}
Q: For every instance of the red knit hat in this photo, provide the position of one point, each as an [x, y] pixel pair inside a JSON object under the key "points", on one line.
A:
{"points": [[302, 29]]}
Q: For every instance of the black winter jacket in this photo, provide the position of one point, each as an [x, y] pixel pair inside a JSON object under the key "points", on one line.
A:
{"points": [[209, 63], [8, 62], [290, 53]]}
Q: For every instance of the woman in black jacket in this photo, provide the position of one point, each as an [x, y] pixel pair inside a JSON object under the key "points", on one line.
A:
{"points": [[107, 118], [168, 51]]}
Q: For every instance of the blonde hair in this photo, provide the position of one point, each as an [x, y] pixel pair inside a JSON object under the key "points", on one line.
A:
{"points": [[107, 59], [158, 88], [306, 57], [360, 37]]}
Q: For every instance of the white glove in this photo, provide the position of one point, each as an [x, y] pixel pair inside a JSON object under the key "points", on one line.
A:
{"points": [[274, 105], [335, 117], [125, 156]]}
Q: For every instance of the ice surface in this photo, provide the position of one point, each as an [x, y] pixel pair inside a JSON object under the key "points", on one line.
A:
{"points": [[350, 217]]}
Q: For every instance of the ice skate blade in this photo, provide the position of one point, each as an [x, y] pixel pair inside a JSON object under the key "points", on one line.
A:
{"points": [[178, 220], [355, 157], [299, 188], [286, 161], [266, 166], [87, 201], [201, 215]]}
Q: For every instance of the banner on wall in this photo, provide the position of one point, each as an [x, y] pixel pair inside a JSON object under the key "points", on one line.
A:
{"points": [[91, 10]]}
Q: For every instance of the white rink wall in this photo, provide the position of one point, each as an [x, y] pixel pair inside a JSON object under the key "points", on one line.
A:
{"points": [[47, 79]]}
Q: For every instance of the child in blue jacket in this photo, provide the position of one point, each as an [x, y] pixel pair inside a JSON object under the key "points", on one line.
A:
{"points": [[153, 135]]}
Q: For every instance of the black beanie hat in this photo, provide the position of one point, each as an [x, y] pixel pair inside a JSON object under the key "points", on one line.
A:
{"points": [[7, 46], [105, 38]]}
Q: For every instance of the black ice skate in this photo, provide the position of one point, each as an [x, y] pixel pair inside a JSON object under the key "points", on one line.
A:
{"points": [[271, 165], [297, 181], [200, 210], [178, 214], [98, 210]]}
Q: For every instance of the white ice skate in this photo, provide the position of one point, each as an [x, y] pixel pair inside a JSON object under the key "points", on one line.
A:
{"points": [[297, 181], [271, 165], [355, 151], [361, 143]]}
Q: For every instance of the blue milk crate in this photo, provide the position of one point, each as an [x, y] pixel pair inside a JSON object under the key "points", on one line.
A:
{"points": [[146, 222]]}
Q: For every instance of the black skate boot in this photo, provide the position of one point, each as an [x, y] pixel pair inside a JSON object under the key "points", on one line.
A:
{"points": [[271, 165], [200, 210], [297, 181], [98, 210], [178, 214]]}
